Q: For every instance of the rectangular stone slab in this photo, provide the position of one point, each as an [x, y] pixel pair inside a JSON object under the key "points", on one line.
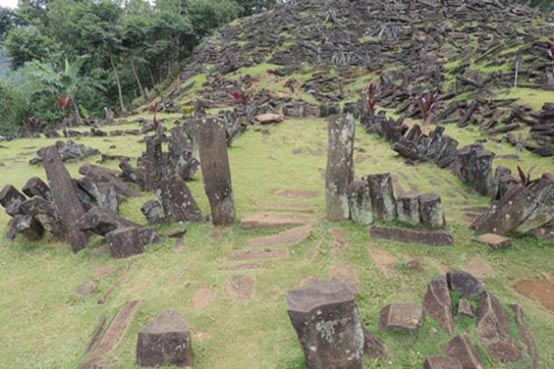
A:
{"points": [[431, 238]]}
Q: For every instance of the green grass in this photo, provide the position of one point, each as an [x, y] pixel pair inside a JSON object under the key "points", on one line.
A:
{"points": [[45, 325]]}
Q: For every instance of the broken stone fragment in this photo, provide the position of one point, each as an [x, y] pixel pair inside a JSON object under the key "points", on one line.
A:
{"points": [[10, 199], [494, 241], [430, 210], [102, 221], [464, 283], [154, 212], [37, 187], [441, 362], [340, 166], [165, 341], [359, 200], [45, 213], [327, 322], [463, 351], [404, 316], [465, 309], [437, 304], [27, 226], [494, 331], [407, 208], [177, 200], [382, 196], [129, 241]]}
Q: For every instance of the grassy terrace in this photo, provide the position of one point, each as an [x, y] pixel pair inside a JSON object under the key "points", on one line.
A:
{"points": [[46, 325]]}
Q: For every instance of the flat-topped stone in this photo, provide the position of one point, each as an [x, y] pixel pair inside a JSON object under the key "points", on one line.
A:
{"points": [[404, 316], [494, 241]]}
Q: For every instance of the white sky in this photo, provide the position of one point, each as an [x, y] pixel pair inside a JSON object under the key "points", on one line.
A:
{"points": [[8, 3]]}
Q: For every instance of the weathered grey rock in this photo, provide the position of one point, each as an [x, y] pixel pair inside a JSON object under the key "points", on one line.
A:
{"points": [[340, 166], [504, 182], [441, 362], [430, 211], [65, 198], [130, 174], [461, 349], [464, 283], [327, 322], [464, 308], [154, 212], [382, 196], [407, 208], [475, 169], [102, 221], [27, 226], [125, 242], [98, 174], [165, 341], [10, 199], [45, 213], [437, 304], [216, 170], [359, 200], [404, 316], [494, 331], [177, 200], [37, 187]]}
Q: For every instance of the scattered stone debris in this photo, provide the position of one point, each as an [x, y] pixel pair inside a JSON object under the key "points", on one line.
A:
{"points": [[67, 151], [165, 341]]}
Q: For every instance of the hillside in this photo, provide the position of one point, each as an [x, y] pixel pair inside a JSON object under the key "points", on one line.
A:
{"points": [[303, 60]]}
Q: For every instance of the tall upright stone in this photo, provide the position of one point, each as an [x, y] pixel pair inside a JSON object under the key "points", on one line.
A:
{"points": [[152, 161], [340, 166], [216, 170], [430, 210], [327, 322], [382, 194], [65, 199], [407, 208]]}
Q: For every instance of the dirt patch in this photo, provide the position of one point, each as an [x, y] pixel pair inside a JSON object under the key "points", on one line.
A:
{"points": [[291, 194], [339, 242], [202, 297], [308, 280], [479, 268], [279, 253], [139, 288], [103, 271], [384, 260], [203, 336], [86, 288], [241, 287], [247, 266], [286, 238], [347, 275], [541, 290], [216, 235], [273, 219]]}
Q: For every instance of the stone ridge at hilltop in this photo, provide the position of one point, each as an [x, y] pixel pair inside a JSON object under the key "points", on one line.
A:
{"points": [[325, 52]]}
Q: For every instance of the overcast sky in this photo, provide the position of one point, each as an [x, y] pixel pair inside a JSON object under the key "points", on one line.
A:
{"points": [[8, 3]]}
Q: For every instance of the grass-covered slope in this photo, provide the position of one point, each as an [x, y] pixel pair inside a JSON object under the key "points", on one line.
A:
{"points": [[46, 325]]}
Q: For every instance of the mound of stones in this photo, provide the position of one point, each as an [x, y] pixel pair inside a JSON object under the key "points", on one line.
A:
{"points": [[472, 302], [68, 151], [542, 129], [525, 209], [73, 210]]}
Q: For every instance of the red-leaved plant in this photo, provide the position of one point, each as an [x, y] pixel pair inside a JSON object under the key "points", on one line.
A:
{"points": [[427, 103], [371, 91], [525, 178], [63, 102], [240, 98]]}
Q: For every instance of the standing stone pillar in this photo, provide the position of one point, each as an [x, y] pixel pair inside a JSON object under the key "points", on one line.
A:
{"points": [[430, 210], [407, 208], [382, 194], [153, 168], [65, 198], [327, 322], [216, 170], [340, 166]]}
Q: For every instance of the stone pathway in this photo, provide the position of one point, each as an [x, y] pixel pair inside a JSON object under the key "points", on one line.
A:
{"points": [[265, 220], [286, 238], [203, 297], [479, 268], [385, 261], [339, 242], [241, 287]]}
